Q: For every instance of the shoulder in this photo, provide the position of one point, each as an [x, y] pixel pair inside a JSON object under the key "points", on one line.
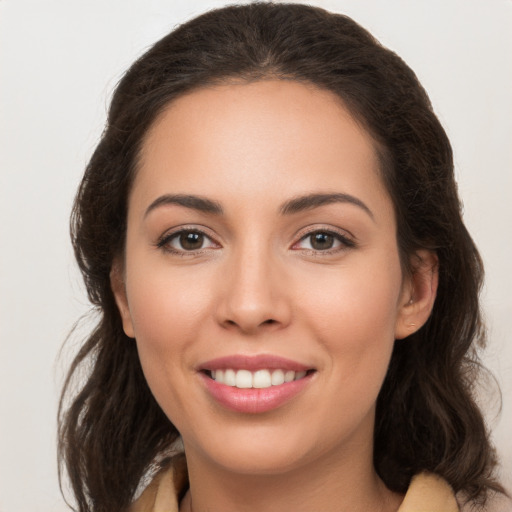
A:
{"points": [[431, 493], [427, 493]]}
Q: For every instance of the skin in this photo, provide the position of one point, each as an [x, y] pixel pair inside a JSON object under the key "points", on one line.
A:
{"points": [[256, 286]]}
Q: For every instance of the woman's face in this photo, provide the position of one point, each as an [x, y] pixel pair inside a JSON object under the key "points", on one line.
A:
{"points": [[261, 247]]}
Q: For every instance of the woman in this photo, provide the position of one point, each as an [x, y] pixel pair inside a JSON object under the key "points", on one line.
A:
{"points": [[271, 232]]}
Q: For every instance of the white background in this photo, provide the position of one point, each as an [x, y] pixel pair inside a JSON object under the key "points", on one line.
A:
{"points": [[60, 60]]}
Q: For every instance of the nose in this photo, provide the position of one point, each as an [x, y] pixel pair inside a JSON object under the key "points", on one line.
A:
{"points": [[254, 293]]}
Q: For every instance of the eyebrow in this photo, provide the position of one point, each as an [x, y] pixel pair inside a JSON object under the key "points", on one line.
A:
{"points": [[310, 201], [198, 203], [295, 205]]}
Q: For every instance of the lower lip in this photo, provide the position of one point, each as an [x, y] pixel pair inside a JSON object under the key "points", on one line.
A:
{"points": [[253, 400]]}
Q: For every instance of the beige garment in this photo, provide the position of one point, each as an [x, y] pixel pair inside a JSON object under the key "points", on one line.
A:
{"points": [[162, 494], [427, 492]]}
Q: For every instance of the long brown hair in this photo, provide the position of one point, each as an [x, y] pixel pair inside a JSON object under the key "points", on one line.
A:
{"points": [[112, 428]]}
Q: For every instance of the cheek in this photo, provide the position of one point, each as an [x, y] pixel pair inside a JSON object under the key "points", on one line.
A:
{"points": [[166, 305], [166, 309], [353, 314], [165, 323], [359, 298]]}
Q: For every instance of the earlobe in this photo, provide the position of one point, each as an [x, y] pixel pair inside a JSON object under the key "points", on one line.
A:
{"points": [[418, 295], [118, 288]]}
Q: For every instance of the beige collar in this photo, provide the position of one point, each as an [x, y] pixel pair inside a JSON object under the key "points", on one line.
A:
{"points": [[427, 492]]}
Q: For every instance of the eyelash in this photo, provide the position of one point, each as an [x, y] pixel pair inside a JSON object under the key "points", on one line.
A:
{"points": [[165, 240], [344, 242]]}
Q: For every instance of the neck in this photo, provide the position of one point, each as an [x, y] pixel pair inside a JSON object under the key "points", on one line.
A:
{"points": [[335, 485]]}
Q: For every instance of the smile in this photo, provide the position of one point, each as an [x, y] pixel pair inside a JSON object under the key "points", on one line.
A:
{"points": [[254, 384], [260, 379]]}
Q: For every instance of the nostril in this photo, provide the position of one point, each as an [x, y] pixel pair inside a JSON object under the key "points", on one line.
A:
{"points": [[250, 323]]}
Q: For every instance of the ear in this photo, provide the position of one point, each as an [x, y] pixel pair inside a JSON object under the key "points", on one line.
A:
{"points": [[418, 294], [117, 285]]}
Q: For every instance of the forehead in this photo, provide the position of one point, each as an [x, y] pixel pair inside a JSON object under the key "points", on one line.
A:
{"points": [[259, 139]]}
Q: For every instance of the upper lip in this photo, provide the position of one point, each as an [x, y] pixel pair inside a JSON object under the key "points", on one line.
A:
{"points": [[253, 363]]}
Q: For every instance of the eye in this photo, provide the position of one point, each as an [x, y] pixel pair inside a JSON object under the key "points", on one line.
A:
{"points": [[186, 240], [323, 241]]}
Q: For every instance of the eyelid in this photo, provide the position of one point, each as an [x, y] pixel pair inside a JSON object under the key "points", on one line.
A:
{"points": [[346, 238], [164, 239]]}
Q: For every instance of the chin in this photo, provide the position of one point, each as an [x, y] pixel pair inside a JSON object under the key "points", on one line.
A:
{"points": [[261, 451], [258, 462]]}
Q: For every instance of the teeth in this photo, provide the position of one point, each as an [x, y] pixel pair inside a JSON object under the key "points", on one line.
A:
{"points": [[230, 377], [289, 376], [244, 379], [261, 379], [277, 377]]}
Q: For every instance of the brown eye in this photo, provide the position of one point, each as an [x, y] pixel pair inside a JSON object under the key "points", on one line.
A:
{"points": [[186, 241], [324, 241], [191, 240], [321, 241]]}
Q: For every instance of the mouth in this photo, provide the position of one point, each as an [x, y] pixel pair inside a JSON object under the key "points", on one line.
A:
{"points": [[255, 384], [259, 379]]}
